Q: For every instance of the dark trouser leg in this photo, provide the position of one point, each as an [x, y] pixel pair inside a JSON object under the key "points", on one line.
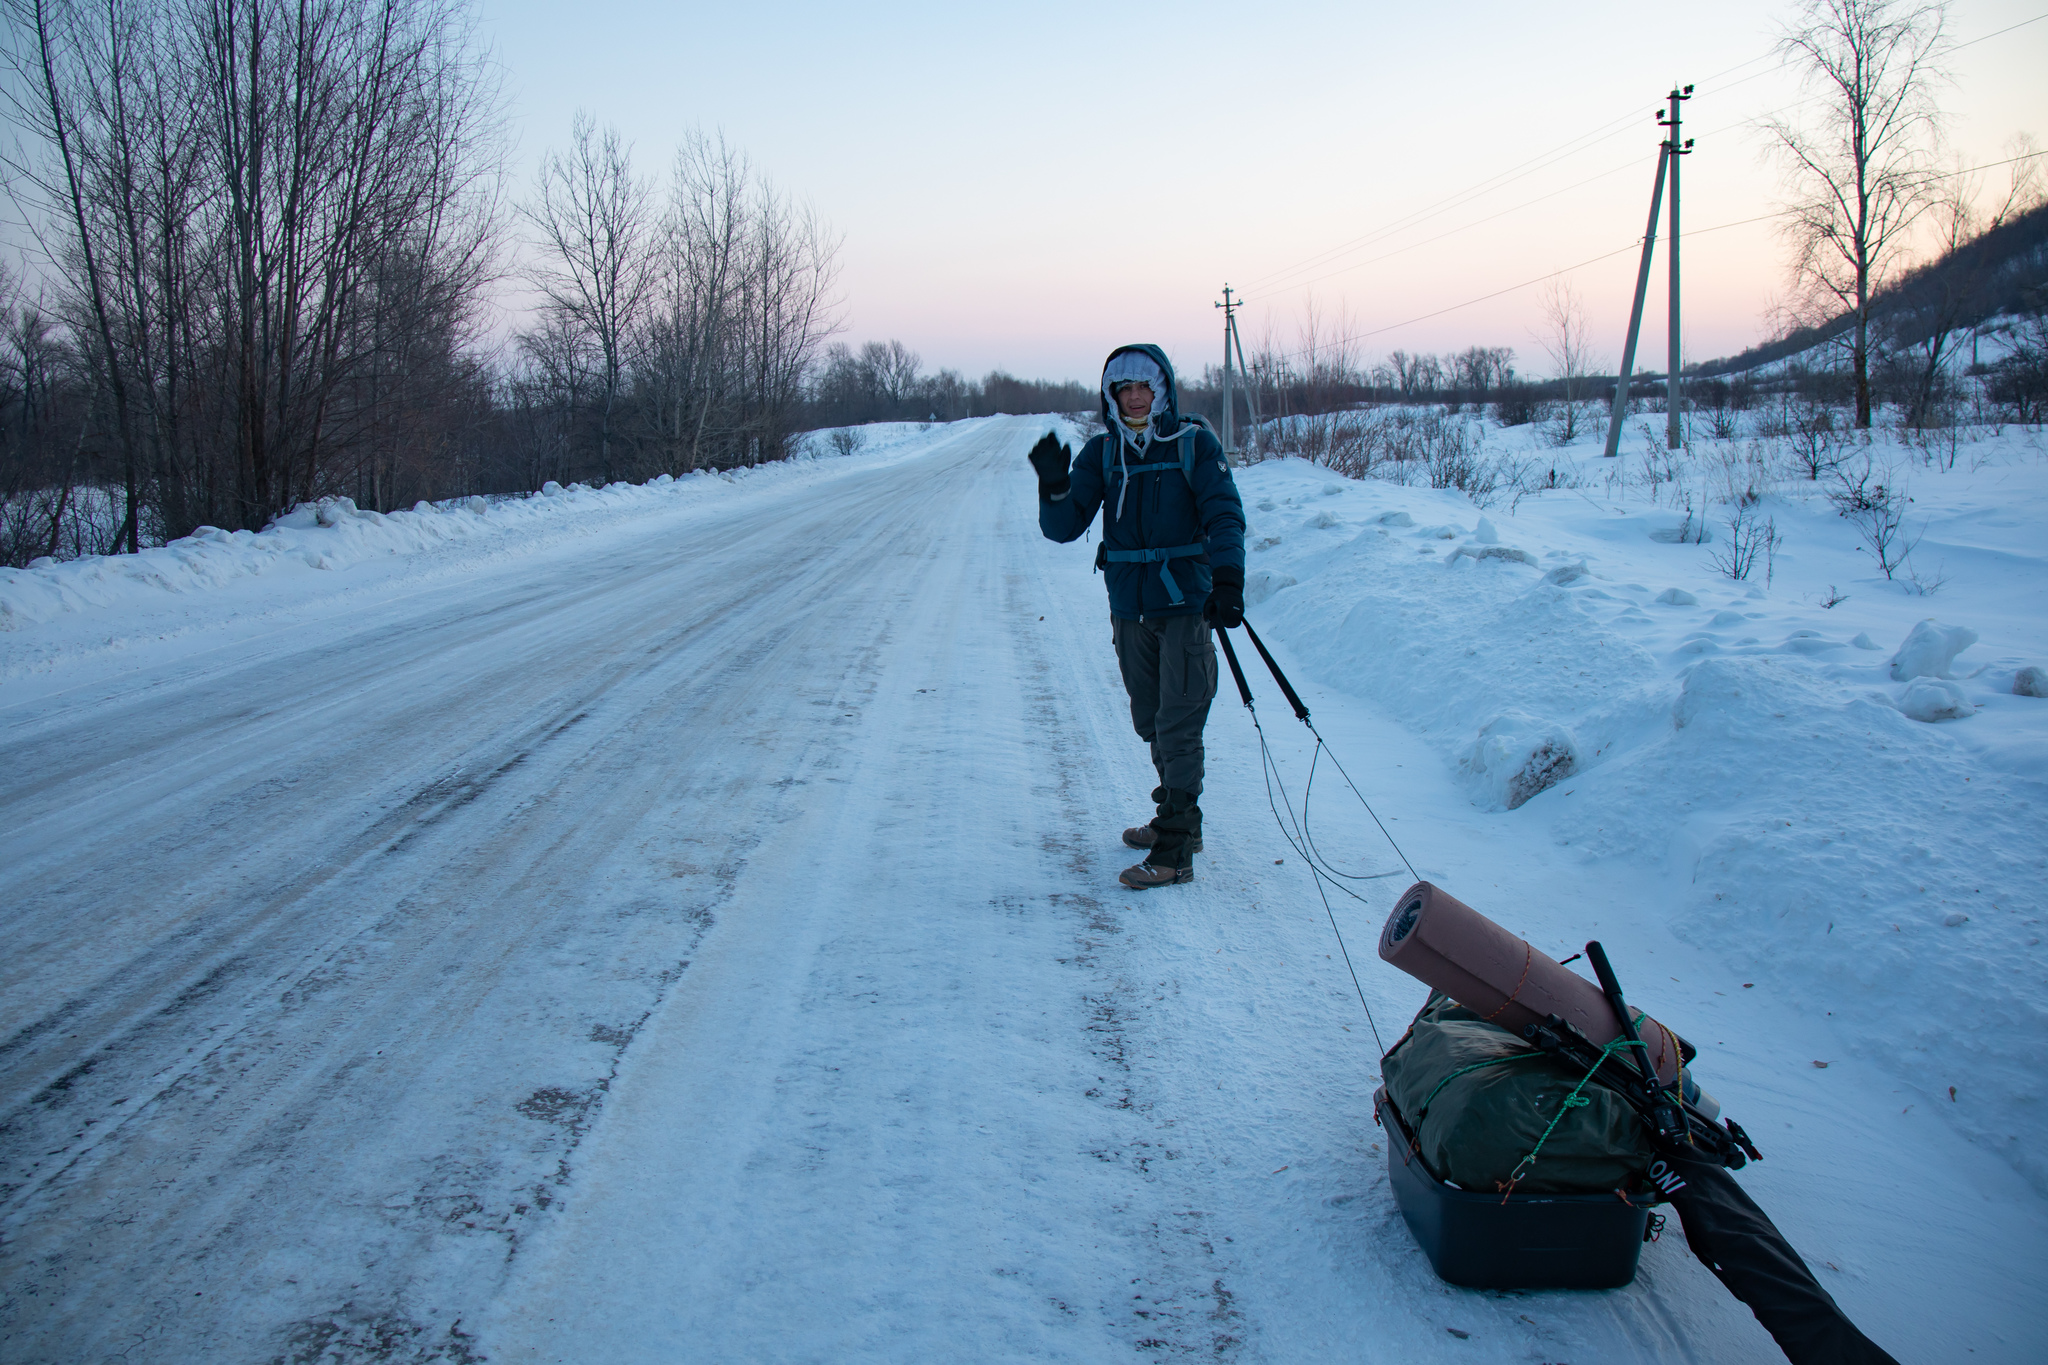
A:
{"points": [[1169, 670], [1741, 1245]]}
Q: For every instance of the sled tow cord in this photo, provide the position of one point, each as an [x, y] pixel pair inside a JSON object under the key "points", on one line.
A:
{"points": [[1322, 747], [1297, 835]]}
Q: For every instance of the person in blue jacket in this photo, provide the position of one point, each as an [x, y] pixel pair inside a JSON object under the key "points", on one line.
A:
{"points": [[1172, 554]]}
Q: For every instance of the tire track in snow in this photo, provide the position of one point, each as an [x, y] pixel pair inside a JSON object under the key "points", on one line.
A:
{"points": [[914, 1127], [363, 986]]}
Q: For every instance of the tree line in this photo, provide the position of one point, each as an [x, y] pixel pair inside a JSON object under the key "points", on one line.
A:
{"points": [[887, 382], [261, 234], [265, 239]]}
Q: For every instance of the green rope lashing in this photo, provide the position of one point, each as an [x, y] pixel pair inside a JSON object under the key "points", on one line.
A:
{"points": [[1572, 1101], [1490, 1061]]}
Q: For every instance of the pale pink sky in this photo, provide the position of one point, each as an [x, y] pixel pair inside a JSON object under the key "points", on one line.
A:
{"points": [[1026, 188]]}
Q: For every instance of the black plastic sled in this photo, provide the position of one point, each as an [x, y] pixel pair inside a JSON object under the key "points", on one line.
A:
{"points": [[1522, 1241]]}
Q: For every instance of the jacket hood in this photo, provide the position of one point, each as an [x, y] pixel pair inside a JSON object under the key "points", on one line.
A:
{"points": [[1149, 363]]}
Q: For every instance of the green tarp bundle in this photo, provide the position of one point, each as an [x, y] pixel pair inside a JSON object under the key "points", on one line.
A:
{"points": [[1480, 1101]]}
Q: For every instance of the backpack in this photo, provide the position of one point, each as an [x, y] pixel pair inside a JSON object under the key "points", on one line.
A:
{"points": [[1105, 556], [1186, 462]]}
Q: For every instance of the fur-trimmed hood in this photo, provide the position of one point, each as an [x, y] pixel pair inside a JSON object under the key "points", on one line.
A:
{"points": [[1148, 363]]}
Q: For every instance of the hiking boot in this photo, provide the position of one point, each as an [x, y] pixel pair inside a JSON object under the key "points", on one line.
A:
{"points": [[1144, 836], [1145, 876]]}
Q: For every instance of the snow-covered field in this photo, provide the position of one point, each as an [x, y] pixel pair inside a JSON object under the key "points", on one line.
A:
{"points": [[680, 923]]}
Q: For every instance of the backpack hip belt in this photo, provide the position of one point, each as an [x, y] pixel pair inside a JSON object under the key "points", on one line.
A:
{"points": [[1159, 557]]}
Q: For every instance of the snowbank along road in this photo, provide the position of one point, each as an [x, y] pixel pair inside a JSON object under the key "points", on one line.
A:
{"points": [[704, 945]]}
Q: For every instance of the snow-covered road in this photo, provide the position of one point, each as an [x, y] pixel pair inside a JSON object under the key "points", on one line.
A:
{"points": [[709, 949]]}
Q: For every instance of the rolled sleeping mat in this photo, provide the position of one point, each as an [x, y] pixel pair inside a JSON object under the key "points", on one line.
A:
{"points": [[1444, 943]]}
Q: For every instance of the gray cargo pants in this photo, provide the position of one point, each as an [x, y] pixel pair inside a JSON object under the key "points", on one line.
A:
{"points": [[1169, 668]]}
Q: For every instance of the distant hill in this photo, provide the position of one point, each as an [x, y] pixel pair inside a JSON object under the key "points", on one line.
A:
{"points": [[2004, 271]]}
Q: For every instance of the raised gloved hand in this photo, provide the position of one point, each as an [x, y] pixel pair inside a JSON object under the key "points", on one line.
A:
{"points": [[1051, 459], [1225, 606]]}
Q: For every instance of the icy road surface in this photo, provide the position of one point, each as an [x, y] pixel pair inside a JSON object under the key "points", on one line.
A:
{"points": [[703, 944]]}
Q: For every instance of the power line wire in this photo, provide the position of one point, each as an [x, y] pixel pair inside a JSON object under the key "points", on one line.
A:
{"points": [[1595, 260], [1465, 196], [1521, 170], [1630, 164]]}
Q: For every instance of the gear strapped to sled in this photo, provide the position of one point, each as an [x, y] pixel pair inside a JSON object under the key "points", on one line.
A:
{"points": [[1534, 1118], [1186, 465]]}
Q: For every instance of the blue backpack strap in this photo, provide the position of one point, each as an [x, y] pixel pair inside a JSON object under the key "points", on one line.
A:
{"points": [[1159, 557]]}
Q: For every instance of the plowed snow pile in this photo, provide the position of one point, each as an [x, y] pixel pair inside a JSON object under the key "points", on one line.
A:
{"points": [[214, 576]]}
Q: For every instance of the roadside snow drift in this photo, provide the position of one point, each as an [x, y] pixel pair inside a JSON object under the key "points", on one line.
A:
{"points": [[1850, 800]]}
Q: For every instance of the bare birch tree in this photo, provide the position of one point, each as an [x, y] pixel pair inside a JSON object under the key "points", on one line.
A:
{"points": [[1860, 174]]}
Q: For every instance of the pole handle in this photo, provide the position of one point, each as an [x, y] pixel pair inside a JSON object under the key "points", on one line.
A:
{"points": [[1666, 1116], [1611, 988]]}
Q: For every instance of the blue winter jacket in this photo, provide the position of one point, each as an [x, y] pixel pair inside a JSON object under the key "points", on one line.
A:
{"points": [[1147, 503]]}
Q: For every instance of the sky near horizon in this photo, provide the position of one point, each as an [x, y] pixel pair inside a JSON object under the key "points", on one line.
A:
{"points": [[1026, 188]]}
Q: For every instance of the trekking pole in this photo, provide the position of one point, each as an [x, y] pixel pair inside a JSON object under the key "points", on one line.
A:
{"points": [[1236, 671], [1286, 687], [1671, 1127]]}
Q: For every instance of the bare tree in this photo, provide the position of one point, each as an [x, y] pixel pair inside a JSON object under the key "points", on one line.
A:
{"points": [[883, 381], [784, 317], [895, 369], [67, 96], [1874, 501], [1328, 357], [1480, 369], [1418, 375], [690, 335], [595, 222], [249, 207], [40, 513], [546, 393], [685, 355], [1938, 316], [1860, 176], [1567, 342]]}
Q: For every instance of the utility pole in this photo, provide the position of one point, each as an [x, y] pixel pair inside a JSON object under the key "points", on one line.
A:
{"points": [[1635, 315], [1668, 153], [1229, 397], [1251, 390], [1674, 404]]}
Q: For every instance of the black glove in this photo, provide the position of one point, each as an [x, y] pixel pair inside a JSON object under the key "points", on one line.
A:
{"points": [[1225, 606], [1050, 459]]}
